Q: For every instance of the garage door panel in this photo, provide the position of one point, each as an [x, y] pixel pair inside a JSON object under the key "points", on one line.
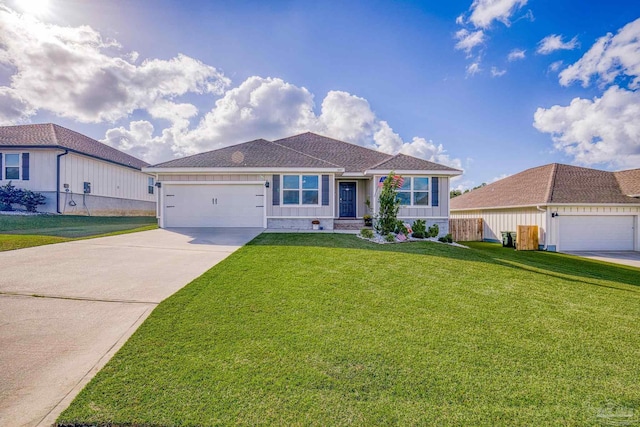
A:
{"points": [[596, 233], [231, 205]]}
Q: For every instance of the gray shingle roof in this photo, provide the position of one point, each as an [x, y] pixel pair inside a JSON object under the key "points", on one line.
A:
{"points": [[548, 184], [258, 153], [306, 150], [54, 136], [404, 162], [629, 181]]}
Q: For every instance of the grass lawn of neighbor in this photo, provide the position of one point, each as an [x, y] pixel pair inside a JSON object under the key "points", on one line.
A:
{"points": [[327, 329], [18, 231]]}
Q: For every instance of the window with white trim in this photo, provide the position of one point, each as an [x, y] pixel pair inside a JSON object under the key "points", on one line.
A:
{"points": [[300, 189], [150, 185], [414, 191], [12, 166]]}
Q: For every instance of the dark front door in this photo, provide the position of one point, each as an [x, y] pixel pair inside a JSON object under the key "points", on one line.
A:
{"points": [[347, 194]]}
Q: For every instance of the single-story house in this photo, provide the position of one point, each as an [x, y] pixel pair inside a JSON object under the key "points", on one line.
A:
{"points": [[288, 183], [77, 175], [575, 208]]}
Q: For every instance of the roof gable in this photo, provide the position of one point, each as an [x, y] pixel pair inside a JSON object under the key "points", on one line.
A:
{"points": [[404, 162], [51, 135]]}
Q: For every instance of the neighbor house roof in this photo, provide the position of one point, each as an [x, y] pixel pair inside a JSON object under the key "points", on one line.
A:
{"points": [[306, 150], [49, 135], [548, 184], [629, 181]]}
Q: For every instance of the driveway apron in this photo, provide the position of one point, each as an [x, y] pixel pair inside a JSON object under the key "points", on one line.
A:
{"points": [[66, 309]]}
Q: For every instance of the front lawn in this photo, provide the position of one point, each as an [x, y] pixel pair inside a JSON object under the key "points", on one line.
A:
{"points": [[331, 330], [17, 231]]}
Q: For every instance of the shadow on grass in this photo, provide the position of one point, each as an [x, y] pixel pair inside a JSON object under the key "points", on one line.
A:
{"points": [[562, 266]]}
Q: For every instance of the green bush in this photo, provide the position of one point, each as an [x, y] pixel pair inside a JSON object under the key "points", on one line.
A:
{"points": [[433, 231], [401, 228], [9, 195], [419, 228], [446, 239], [31, 200], [366, 233], [390, 238]]}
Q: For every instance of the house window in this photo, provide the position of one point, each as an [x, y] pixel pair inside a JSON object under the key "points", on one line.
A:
{"points": [[150, 185], [300, 189], [414, 192], [12, 166]]}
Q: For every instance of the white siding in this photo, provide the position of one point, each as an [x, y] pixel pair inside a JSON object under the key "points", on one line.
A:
{"points": [[440, 211], [42, 170], [496, 221], [107, 179]]}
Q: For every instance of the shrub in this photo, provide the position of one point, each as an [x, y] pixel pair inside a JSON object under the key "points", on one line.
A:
{"points": [[419, 234], [446, 239], [390, 238], [419, 226], [433, 231], [366, 233], [9, 194], [31, 200], [389, 205], [401, 228]]}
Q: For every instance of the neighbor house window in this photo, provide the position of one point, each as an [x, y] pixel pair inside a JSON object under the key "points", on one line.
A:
{"points": [[150, 185], [12, 166], [300, 189], [414, 192]]}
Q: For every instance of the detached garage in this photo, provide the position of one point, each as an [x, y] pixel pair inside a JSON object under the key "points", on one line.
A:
{"points": [[213, 204], [575, 208]]}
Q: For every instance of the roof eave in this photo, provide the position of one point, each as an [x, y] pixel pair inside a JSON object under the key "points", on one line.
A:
{"points": [[413, 172], [534, 205], [200, 170]]}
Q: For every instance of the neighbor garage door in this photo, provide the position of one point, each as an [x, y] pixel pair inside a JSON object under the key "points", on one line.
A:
{"points": [[213, 205], [596, 233]]}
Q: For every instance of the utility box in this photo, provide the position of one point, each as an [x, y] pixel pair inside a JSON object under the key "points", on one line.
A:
{"points": [[87, 187]]}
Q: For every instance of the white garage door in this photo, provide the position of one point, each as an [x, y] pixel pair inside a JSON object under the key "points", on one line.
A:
{"points": [[596, 233], [213, 205]]}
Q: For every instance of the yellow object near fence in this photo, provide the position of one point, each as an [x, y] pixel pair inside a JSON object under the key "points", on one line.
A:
{"points": [[527, 238]]}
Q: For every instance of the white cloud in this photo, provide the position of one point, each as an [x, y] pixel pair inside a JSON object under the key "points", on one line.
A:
{"points": [[609, 57], [473, 68], [495, 72], [467, 40], [602, 130], [498, 178], [516, 54], [72, 72], [555, 66], [13, 108], [554, 42], [484, 12], [271, 108]]}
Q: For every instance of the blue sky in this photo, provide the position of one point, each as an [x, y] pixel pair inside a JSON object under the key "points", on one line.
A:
{"points": [[490, 86]]}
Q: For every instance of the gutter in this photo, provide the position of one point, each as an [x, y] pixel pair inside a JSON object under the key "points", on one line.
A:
{"points": [[58, 179]]}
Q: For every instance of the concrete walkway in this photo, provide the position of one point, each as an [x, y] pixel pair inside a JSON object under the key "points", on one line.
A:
{"points": [[65, 309], [617, 257]]}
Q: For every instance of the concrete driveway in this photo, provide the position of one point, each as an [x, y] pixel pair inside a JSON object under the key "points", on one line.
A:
{"points": [[65, 309], [617, 257]]}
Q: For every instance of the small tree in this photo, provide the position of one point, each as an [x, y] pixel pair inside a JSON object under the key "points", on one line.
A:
{"points": [[389, 204], [9, 194]]}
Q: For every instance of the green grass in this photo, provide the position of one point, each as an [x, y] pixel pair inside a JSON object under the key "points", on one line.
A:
{"points": [[17, 232], [331, 330]]}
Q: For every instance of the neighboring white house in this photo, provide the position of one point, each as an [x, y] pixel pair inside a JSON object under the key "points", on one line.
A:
{"points": [[575, 208], [78, 175], [285, 184]]}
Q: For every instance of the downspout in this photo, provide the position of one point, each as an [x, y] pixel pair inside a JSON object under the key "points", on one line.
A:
{"points": [[58, 180], [548, 227]]}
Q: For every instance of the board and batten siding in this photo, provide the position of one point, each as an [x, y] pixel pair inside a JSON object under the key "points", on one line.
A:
{"points": [[107, 179], [280, 211], [440, 211], [42, 170], [495, 221]]}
